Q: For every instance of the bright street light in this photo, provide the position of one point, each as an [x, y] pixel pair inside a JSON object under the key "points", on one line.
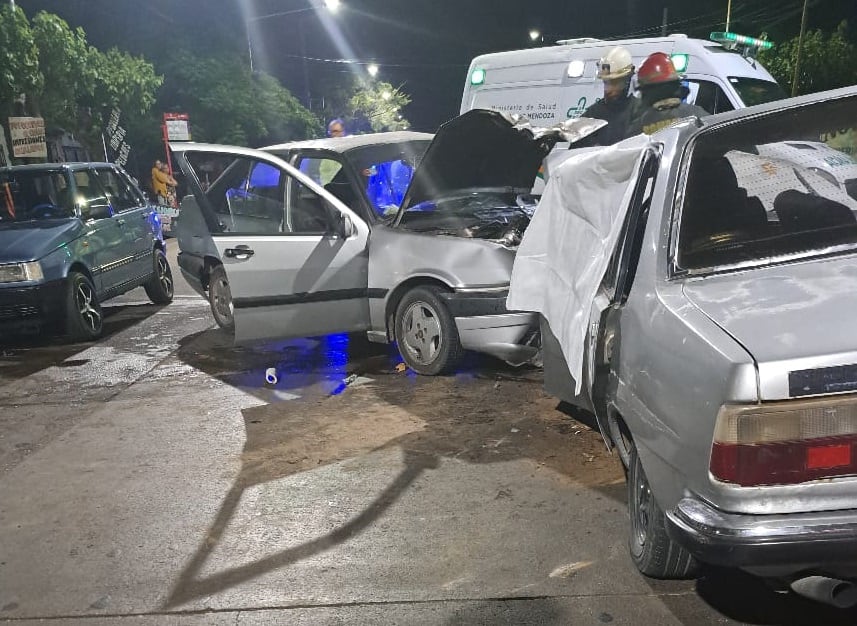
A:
{"points": [[534, 35], [332, 5], [372, 69]]}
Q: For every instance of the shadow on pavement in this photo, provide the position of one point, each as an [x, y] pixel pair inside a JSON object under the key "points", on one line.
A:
{"points": [[488, 415], [23, 354]]}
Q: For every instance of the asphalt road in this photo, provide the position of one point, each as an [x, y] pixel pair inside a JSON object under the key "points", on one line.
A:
{"points": [[153, 477]]}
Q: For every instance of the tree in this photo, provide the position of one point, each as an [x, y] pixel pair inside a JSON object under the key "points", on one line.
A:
{"points": [[65, 80], [380, 104], [228, 104], [827, 61]]}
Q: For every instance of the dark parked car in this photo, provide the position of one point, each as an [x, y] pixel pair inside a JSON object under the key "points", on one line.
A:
{"points": [[71, 236]]}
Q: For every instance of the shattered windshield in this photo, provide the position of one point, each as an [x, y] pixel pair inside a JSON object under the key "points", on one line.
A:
{"points": [[781, 186], [30, 195]]}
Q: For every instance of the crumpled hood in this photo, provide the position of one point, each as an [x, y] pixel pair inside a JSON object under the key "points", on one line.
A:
{"points": [[486, 149], [793, 319], [30, 241]]}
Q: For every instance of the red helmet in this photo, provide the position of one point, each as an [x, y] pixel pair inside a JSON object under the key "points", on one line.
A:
{"points": [[657, 68]]}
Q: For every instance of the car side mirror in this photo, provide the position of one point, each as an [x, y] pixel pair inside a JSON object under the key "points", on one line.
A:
{"points": [[347, 226]]}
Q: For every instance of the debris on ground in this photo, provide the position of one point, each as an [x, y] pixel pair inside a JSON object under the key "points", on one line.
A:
{"points": [[567, 571], [271, 375], [401, 367]]}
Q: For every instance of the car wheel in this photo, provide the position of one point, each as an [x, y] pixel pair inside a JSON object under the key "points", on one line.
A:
{"points": [[426, 333], [159, 287], [83, 317], [220, 299], [653, 551]]}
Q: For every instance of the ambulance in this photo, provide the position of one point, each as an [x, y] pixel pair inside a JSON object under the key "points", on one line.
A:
{"points": [[554, 83]]}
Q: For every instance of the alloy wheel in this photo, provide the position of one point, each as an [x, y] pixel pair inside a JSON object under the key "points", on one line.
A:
{"points": [[422, 334], [84, 299]]}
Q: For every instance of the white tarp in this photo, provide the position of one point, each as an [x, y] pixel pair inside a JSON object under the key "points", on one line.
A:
{"points": [[567, 246]]}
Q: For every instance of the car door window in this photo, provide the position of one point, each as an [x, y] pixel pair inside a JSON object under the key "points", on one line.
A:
{"points": [[710, 96], [320, 169], [307, 213], [248, 195], [119, 193], [89, 194]]}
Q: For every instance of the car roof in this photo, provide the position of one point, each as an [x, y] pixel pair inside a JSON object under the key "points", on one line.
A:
{"points": [[349, 142], [52, 167]]}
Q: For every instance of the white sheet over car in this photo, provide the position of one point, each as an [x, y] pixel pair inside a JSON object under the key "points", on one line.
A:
{"points": [[566, 249]]}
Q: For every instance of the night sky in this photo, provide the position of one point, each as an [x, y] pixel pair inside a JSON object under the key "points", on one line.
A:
{"points": [[423, 45]]}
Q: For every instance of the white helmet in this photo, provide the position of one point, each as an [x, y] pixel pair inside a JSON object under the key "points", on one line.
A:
{"points": [[615, 64]]}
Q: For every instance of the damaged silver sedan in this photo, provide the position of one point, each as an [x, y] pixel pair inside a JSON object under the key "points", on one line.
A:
{"points": [[707, 320], [348, 234]]}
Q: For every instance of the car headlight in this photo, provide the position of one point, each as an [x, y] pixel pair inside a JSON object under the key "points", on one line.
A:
{"points": [[19, 272]]}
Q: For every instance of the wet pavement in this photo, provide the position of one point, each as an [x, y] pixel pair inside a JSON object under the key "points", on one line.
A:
{"points": [[154, 477]]}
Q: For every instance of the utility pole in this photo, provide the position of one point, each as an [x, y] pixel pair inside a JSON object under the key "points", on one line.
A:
{"points": [[728, 14], [664, 22], [799, 48]]}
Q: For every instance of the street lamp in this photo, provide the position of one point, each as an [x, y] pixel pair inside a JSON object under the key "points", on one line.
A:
{"points": [[534, 35], [331, 5], [372, 68]]}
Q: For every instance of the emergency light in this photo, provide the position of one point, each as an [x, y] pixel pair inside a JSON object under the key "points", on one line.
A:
{"points": [[679, 62], [733, 39], [477, 77]]}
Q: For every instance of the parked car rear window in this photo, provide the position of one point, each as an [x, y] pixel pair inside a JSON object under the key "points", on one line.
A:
{"points": [[34, 195], [772, 187]]}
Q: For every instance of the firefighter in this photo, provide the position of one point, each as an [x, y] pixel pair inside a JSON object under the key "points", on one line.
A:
{"points": [[661, 96], [615, 69]]}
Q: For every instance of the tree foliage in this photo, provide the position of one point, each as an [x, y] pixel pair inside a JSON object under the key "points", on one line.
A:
{"points": [[65, 80], [381, 105], [229, 104], [827, 61]]}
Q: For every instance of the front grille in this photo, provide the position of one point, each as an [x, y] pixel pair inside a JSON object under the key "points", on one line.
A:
{"points": [[18, 311]]}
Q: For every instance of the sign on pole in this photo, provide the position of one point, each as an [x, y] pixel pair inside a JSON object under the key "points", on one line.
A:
{"points": [[116, 136], [178, 126], [28, 137]]}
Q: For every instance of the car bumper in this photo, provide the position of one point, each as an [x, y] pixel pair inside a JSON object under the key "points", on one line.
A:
{"points": [[193, 269], [485, 325], [795, 542], [32, 306]]}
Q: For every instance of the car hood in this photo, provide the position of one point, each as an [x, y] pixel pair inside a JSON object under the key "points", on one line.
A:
{"points": [[795, 320], [484, 149], [30, 241]]}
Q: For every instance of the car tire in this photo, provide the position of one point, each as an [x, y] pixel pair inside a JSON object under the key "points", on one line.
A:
{"points": [[83, 317], [220, 298], [653, 551], [426, 333], [159, 287]]}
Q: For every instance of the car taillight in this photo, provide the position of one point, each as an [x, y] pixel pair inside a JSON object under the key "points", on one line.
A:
{"points": [[783, 443]]}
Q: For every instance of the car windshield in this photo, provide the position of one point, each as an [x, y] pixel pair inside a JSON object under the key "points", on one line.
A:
{"points": [[756, 91], [784, 185], [385, 172], [34, 195]]}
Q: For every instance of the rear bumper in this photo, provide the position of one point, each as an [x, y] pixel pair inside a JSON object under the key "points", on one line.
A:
{"points": [[799, 542], [486, 325], [32, 306]]}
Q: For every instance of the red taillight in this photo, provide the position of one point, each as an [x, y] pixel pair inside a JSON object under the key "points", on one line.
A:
{"points": [[784, 443]]}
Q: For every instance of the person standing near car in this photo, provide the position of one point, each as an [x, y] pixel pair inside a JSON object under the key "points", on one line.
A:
{"points": [[661, 96], [161, 180], [615, 69]]}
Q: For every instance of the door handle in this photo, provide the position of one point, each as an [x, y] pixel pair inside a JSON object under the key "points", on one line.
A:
{"points": [[239, 252]]}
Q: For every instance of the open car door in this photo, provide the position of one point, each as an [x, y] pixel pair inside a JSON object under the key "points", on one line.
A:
{"points": [[602, 333], [295, 257]]}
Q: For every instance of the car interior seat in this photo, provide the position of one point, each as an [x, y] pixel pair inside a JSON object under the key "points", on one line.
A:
{"points": [[716, 204], [799, 211]]}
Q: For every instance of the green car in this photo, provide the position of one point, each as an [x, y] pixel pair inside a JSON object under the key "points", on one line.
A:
{"points": [[73, 235]]}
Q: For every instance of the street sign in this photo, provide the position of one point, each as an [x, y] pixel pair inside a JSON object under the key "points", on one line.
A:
{"points": [[177, 126], [28, 137]]}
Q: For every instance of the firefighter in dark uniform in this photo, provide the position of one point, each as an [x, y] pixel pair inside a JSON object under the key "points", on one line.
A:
{"points": [[661, 95]]}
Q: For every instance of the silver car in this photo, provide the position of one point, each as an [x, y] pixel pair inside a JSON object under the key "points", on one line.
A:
{"points": [[347, 234], [721, 348]]}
